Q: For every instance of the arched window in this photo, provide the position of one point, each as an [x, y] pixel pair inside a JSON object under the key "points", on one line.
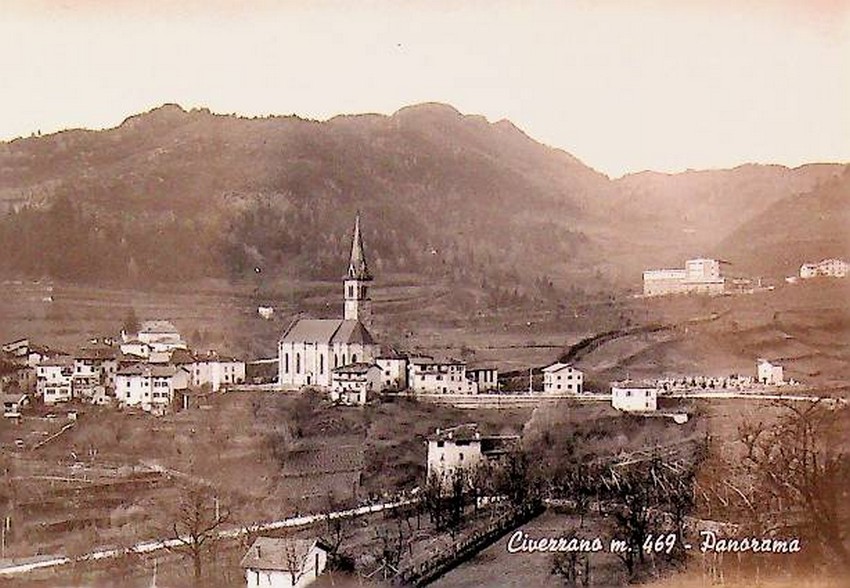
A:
{"points": [[321, 364], [354, 358], [286, 363], [350, 291], [297, 363], [336, 360]]}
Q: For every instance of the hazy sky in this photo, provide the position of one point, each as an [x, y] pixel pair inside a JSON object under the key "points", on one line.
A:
{"points": [[624, 85]]}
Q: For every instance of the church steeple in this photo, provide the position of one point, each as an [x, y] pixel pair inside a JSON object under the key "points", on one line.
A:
{"points": [[357, 268], [358, 305]]}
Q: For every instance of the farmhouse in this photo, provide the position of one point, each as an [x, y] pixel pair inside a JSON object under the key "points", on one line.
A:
{"points": [[150, 387], [94, 369], [634, 398], [464, 448], [311, 348], [700, 276], [212, 370], [560, 377], [284, 563], [427, 375], [352, 384], [160, 335]]}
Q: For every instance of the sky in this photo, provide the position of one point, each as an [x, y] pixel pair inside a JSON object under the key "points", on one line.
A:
{"points": [[624, 85]]}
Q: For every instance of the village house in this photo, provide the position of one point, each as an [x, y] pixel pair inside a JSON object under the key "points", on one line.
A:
{"points": [[630, 397], [353, 384], [426, 375], [54, 380], [560, 378], [464, 448], [150, 387], [160, 335], [699, 276], [769, 374], [13, 403], [212, 370], [135, 348], [486, 378], [393, 371], [311, 349], [273, 562], [830, 268], [94, 371]]}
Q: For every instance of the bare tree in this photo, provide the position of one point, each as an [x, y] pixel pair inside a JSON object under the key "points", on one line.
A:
{"points": [[194, 525]]}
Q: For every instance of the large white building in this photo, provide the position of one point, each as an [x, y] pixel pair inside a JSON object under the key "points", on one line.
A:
{"points": [[768, 373], [311, 349], [699, 276], [830, 268], [150, 387], [634, 398], [54, 380], [427, 375]]}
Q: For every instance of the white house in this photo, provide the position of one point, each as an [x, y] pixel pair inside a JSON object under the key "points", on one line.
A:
{"points": [[463, 448], [769, 373], [150, 387], [266, 312], [311, 348], [487, 378], [393, 371], [217, 371], [273, 562], [12, 404], [136, 348], [160, 335], [634, 398], [354, 383], [560, 378], [699, 276], [832, 268], [54, 380], [94, 369], [427, 375]]}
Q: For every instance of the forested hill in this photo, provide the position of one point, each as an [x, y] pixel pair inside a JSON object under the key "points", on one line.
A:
{"points": [[172, 195]]}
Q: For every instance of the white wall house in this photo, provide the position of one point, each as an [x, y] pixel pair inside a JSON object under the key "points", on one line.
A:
{"points": [[561, 378], [832, 268], [633, 398], [150, 387], [218, 371], [427, 375], [54, 380], [160, 335], [393, 372], [136, 348], [273, 562], [94, 370], [463, 448], [699, 276], [768, 373], [353, 384], [13, 403], [487, 378]]}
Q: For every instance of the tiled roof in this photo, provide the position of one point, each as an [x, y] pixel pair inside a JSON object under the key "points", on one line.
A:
{"points": [[465, 432], [158, 326], [273, 553], [156, 371], [99, 352], [557, 367], [328, 331]]}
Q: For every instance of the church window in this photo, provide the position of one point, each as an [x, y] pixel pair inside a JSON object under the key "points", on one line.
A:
{"points": [[336, 360], [286, 363], [297, 363], [363, 292], [354, 358], [321, 364], [350, 291]]}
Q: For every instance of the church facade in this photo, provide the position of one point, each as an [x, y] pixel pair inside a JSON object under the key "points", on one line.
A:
{"points": [[311, 349]]}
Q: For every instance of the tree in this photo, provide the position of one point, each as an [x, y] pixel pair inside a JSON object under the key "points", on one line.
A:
{"points": [[194, 524], [572, 567], [131, 322]]}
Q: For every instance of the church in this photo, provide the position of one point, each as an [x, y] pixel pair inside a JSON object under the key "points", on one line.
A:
{"points": [[311, 349]]}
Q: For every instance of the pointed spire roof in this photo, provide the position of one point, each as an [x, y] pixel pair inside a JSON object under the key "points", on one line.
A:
{"points": [[357, 268]]}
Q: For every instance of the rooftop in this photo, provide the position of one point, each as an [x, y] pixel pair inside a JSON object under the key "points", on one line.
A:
{"points": [[282, 554]]}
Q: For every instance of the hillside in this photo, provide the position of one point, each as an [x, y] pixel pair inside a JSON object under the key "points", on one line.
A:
{"points": [[171, 195], [797, 229]]}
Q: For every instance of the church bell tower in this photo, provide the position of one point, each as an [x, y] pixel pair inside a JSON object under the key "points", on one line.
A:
{"points": [[358, 305]]}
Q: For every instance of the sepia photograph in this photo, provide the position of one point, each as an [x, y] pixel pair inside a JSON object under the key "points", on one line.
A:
{"points": [[404, 293]]}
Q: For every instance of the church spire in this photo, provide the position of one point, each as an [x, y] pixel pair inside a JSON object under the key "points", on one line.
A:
{"points": [[357, 268]]}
